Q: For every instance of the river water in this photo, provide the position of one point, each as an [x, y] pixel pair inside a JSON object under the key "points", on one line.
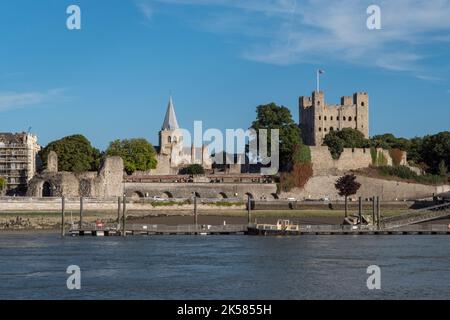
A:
{"points": [[33, 266]]}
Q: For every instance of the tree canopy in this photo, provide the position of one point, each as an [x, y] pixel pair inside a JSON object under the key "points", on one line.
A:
{"points": [[347, 185], [345, 138], [75, 154], [137, 154], [193, 169], [272, 116]]}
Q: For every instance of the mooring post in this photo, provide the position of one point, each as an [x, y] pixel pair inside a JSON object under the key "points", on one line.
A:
{"points": [[63, 209], [360, 211], [124, 206], [378, 212], [81, 212], [118, 210], [195, 212], [373, 211], [249, 208]]}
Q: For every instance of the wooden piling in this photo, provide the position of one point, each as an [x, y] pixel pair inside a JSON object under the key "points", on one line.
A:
{"points": [[195, 211], [124, 207], [81, 212], [360, 210], [378, 212], [249, 208], [373, 211], [119, 210], [63, 209]]}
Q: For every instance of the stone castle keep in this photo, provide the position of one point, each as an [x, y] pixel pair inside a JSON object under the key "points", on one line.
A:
{"points": [[317, 118]]}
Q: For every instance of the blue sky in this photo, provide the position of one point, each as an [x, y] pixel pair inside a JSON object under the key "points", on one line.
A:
{"points": [[219, 59]]}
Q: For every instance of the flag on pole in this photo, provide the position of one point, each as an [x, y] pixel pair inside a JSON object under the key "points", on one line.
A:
{"points": [[320, 71]]}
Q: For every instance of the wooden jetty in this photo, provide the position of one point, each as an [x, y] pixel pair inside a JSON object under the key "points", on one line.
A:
{"points": [[154, 230]]}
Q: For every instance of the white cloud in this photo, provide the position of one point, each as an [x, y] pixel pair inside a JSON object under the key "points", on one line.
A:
{"points": [[145, 8], [15, 100], [292, 31]]}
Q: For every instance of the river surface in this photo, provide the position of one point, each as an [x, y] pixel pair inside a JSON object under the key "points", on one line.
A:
{"points": [[33, 266]]}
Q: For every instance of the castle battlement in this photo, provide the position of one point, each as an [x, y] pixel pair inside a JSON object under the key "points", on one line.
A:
{"points": [[317, 118]]}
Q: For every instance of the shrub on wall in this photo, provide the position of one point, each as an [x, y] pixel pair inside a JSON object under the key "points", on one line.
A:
{"points": [[381, 159], [396, 155], [297, 178], [374, 155], [302, 154], [406, 173]]}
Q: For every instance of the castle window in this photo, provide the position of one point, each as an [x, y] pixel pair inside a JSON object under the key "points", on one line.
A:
{"points": [[325, 118], [344, 118], [331, 129], [320, 129], [169, 139], [331, 118], [320, 117], [337, 118], [349, 118], [362, 104], [325, 129]]}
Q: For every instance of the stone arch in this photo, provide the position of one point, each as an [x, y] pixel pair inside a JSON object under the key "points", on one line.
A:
{"points": [[167, 195], [47, 189], [223, 195], [137, 195]]}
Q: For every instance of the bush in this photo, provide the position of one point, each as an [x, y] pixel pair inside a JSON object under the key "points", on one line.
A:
{"points": [[302, 154], [406, 173], [297, 178], [2, 184], [193, 169], [396, 155]]}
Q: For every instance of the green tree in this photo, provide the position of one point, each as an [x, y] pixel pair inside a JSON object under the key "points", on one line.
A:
{"points": [[389, 141], [137, 154], [193, 169], [345, 138], [443, 169], [75, 154], [272, 116], [334, 143], [2, 184], [436, 148], [347, 186]]}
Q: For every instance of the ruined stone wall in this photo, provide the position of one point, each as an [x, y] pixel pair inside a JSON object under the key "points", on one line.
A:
{"points": [[323, 187], [108, 182], [350, 159]]}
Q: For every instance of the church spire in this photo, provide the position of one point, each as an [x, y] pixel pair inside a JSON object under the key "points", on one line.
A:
{"points": [[170, 121]]}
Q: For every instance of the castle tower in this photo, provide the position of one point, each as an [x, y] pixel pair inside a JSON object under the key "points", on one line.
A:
{"points": [[317, 118], [169, 136]]}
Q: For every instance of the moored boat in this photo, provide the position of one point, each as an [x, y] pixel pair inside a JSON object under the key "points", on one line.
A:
{"points": [[283, 227]]}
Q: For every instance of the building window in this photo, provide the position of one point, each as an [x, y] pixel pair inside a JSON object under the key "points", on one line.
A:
{"points": [[331, 129], [320, 129], [325, 129], [344, 118], [331, 118], [362, 104], [325, 118], [337, 118], [169, 139], [349, 118], [320, 117]]}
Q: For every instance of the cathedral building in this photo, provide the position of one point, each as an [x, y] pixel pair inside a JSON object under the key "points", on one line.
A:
{"points": [[172, 154]]}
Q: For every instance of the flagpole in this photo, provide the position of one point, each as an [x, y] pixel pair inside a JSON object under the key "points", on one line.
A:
{"points": [[318, 80]]}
